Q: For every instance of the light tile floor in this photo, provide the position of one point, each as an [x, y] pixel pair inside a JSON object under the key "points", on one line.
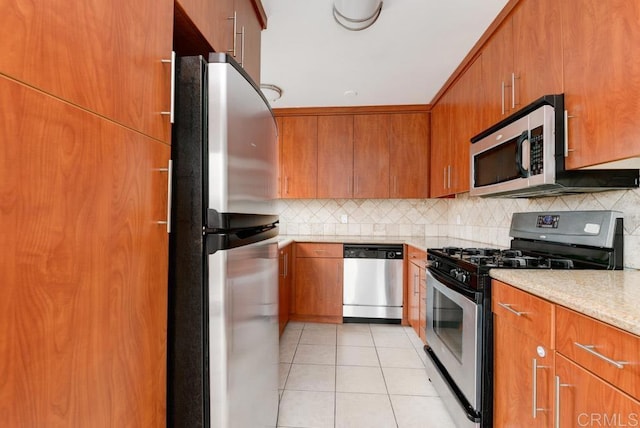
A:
{"points": [[356, 375]]}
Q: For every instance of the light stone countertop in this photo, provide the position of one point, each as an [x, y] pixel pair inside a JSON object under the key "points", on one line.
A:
{"points": [[612, 297], [419, 242]]}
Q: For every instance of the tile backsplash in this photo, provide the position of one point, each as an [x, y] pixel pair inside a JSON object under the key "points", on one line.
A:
{"points": [[465, 217]]}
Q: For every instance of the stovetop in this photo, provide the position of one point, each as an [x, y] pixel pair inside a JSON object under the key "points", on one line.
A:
{"points": [[482, 259]]}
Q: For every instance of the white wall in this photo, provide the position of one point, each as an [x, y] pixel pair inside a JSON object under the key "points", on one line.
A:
{"points": [[482, 220]]}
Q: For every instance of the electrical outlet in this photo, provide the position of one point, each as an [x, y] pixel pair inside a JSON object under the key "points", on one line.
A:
{"points": [[344, 219]]}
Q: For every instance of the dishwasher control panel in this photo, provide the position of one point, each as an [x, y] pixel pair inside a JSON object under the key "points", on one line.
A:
{"points": [[373, 251]]}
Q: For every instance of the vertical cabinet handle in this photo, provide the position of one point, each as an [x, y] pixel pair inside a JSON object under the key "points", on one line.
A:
{"points": [[513, 91], [171, 112], [286, 265], [534, 388], [169, 171], [286, 185], [449, 177], [566, 134], [556, 412], [415, 283], [502, 97], [242, 46], [232, 51]]}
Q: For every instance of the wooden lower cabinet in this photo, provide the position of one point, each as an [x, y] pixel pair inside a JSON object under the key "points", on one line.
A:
{"points": [[585, 400], [413, 296], [416, 291], [422, 306], [84, 267], [284, 286], [318, 282], [520, 373]]}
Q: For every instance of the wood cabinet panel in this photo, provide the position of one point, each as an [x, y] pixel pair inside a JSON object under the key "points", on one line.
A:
{"points": [[335, 156], [422, 306], [497, 66], [213, 19], [103, 56], [514, 355], [318, 287], [371, 156], [299, 168], [250, 36], [536, 315], [606, 340], [83, 318], [601, 78], [413, 296], [586, 400], [285, 271], [537, 51], [409, 155], [312, 249], [440, 141]]}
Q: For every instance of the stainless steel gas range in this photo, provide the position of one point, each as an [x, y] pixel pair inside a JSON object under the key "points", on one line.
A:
{"points": [[459, 321]]}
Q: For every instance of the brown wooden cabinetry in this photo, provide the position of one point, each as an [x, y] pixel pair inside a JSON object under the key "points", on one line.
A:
{"points": [[409, 155], [335, 156], [299, 157], [318, 282], [416, 290], [106, 58], [285, 272], [523, 358], [522, 60], [371, 156], [601, 80], [84, 265]]}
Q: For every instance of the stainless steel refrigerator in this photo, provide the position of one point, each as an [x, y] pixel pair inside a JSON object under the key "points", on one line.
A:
{"points": [[223, 274]]}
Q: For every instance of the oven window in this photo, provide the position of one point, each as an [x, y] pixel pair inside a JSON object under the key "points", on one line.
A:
{"points": [[447, 323], [496, 165]]}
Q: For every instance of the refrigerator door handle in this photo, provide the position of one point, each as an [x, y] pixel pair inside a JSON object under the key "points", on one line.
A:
{"points": [[239, 238]]}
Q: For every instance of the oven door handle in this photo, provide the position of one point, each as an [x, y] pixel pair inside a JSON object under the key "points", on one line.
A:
{"points": [[519, 154], [464, 291]]}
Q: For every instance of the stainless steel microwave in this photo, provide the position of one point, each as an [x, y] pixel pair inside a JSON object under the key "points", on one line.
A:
{"points": [[523, 156]]}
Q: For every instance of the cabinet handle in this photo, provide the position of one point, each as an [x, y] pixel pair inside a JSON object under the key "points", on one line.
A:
{"points": [[232, 51], [502, 97], [349, 186], [242, 46], [357, 186], [286, 265], [395, 185], [534, 398], [591, 349], [556, 412], [171, 112], [444, 177], [449, 177], [566, 134], [286, 185], [513, 91], [415, 283], [169, 171], [508, 307]]}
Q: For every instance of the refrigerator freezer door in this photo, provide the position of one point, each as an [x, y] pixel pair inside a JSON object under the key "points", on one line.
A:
{"points": [[242, 144], [243, 336]]}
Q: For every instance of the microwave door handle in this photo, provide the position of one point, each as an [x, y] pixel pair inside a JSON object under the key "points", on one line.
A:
{"points": [[524, 137]]}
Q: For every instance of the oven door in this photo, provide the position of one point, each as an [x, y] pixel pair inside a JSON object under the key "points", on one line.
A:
{"points": [[454, 336]]}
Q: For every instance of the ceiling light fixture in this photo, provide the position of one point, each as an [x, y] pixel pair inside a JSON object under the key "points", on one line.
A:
{"points": [[356, 15], [271, 92]]}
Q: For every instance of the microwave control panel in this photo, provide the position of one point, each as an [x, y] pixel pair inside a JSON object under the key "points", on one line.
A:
{"points": [[536, 157]]}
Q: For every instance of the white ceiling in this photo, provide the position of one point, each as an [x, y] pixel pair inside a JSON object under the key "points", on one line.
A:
{"points": [[404, 58]]}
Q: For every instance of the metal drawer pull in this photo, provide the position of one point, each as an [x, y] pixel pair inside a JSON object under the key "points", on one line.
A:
{"points": [[557, 401], [171, 112], [508, 307], [169, 171], [591, 349], [534, 401]]}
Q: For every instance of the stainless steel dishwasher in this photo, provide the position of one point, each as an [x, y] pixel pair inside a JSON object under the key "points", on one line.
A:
{"points": [[372, 287]]}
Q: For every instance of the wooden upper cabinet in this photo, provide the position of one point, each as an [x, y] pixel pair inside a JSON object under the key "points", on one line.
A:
{"points": [[371, 156], [440, 144], [601, 80], [105, 56], [497, 69], [299, 157], [522, 60], [249, 36], [409, 155], [537, 50], [84, 276], [335, 156], [214, 20]]}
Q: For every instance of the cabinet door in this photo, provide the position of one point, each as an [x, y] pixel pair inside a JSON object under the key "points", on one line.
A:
{"points": [[440, 147], [371, 156], [299, 157], [586, 400], [422, 305], [601, 80], [335, 156], [409, 155], [466, 121], [537, 50], [249, 36], [214, 20], [84, 267], [497, 69], [318, 286], [413, 296], [105, 56], [520, 374], [284, 287]]}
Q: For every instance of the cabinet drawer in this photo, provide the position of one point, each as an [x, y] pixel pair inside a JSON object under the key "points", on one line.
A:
{"points": [[527, 313], [611, 353], [309, 249], [417, 256]]}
